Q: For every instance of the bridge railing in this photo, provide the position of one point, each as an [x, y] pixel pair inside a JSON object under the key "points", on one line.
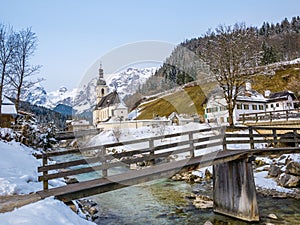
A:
{"points": [[260, 137], [146, 151], [160, 149], [270, 116]]}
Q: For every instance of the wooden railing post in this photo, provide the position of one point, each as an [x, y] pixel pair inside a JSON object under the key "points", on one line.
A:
{"points": [[151, 147], [45, 181], [251, 138], [103, 153], [275, 136], [192, 153], [223, 130], [296, 137]]}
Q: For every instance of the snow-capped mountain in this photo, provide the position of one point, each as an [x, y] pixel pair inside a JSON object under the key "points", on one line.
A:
{"points": [[37, 95], [83, 99], [128, 81]]}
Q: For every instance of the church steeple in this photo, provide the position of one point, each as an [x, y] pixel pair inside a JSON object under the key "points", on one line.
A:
{"points": [[101, 81], [101, 88], [100, 72]]}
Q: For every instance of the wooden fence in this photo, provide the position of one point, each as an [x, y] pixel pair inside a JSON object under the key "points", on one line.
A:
{"points": [[160, 148], [284, 115]]}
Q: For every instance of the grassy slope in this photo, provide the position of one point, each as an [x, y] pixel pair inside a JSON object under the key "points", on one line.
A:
{"points": [[191, 99], [187, 101], [287, 78]]}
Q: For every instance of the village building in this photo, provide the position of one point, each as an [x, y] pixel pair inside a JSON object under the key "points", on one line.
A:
{"points": [[8, 112], [248, 101], [283, 100], [109, 106], [77, 125]]}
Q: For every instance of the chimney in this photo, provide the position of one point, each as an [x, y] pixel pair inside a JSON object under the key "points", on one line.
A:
{"points": [[248, 86], [267, 93]]}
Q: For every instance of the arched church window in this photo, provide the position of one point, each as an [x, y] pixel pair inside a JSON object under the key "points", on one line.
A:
{"points": [[102, 91]]}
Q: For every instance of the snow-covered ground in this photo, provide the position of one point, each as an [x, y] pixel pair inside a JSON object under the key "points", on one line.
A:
{"points": [[46, 212], [18, 170], [18, 175]]}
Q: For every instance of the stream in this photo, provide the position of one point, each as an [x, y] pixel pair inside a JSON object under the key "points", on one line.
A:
{"points": [[165, 202]]}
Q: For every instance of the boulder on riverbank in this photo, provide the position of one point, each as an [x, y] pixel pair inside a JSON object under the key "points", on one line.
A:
{"points": [[285, 171], [87, 209], [193, 176]]}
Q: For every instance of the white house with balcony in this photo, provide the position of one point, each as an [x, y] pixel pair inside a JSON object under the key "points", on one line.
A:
{"points": [[248, 101]]}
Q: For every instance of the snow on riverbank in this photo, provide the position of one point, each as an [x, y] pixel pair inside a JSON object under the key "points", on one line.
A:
{"points": [[18, 170], [46, 212], [18, 175]]}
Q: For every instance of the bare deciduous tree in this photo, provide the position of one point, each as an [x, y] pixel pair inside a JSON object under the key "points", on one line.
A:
{"points": [[22, 70], [231, 53], [7, 48]]}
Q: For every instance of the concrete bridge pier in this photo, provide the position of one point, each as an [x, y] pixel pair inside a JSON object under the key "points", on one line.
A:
{"points": [[234, 190]]}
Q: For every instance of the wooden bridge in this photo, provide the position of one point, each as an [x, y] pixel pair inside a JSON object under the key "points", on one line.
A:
{"points": [[163, 156]]}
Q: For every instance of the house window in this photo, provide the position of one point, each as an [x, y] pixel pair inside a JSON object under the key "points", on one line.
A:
{"points": [[223, 108], [254, 107], [239, 106], [208, 110], [261, 107], [267, 106], [272, 106], [246, 106], [277, 104], [222, 120]]}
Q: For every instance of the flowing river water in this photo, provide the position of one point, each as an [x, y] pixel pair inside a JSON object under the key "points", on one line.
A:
{"points": [[166, 202]]}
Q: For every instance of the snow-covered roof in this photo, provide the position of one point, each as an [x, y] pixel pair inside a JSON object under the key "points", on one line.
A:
{"points": [[80, 122], [121, 106], [282, 95], [250, 96], [8, 107]]}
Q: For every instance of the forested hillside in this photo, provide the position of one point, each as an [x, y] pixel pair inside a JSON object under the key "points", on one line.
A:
{"points": [[45, 115], [278, 42]]}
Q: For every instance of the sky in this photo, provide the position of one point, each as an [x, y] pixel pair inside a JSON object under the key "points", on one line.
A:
{"points": [[74, 34]]}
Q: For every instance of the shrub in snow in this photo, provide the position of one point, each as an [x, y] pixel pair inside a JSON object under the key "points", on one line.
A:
{"points": [[31, 134]]}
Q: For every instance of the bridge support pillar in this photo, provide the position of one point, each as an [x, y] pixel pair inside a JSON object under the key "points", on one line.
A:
{"points": [[234, 190]]}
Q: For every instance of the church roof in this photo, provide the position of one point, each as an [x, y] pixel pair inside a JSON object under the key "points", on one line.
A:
{"points": [[110, 99]]}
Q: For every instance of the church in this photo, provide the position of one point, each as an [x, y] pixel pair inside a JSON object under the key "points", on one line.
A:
{"points": [[109, 106]]}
